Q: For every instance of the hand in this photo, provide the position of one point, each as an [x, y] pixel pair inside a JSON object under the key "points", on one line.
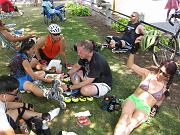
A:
{"points": [[64, 86], [134, 48], [154, 110], [49, 80], [43, 62]]}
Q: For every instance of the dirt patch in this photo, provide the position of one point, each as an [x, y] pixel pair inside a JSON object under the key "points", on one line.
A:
{"points": [[144, 59]]}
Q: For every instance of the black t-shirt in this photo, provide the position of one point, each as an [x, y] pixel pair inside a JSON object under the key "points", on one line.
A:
{"points": [[97, 68]]}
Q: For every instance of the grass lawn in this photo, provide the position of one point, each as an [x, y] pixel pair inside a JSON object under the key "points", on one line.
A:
{"points": [[74, 29]]}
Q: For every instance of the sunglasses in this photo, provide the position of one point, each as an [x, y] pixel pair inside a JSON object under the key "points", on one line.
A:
{"points": [[164, 74], [57, 34], [133, 16]]}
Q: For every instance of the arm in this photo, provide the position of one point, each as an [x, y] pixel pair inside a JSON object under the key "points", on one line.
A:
{"points": [[13, 38], [81, 84], [74, 69], [40, 43], [14, 105], [62, 52], [155, 108], [140, 71], [29, 71]]}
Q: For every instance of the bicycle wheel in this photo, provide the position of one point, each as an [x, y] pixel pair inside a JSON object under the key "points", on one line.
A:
{"points": [[165, 49]]}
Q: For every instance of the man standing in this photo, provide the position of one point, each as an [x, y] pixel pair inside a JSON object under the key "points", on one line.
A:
{"points": [[92, 74]]}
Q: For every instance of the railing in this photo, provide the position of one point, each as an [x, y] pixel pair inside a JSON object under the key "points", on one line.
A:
{"points": [[106, 11]]}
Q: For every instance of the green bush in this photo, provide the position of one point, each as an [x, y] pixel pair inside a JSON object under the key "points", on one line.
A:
{"points": [[78, 10], [117, 26]]}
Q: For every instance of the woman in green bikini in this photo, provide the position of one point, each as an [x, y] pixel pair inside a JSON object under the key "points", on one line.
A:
{"points": [[147, 97]]}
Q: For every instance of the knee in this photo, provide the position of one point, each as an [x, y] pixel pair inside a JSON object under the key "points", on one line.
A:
{"points": [[84, 91]]}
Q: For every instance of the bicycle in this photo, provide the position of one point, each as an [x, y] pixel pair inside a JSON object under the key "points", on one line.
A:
{"points": [[166, 46]]}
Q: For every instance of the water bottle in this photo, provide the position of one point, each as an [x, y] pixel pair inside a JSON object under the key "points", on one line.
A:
{"points": [[23, 127]]}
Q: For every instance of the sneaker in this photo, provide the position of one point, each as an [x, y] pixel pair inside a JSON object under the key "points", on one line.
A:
{"points": [[104, 46], [119, 50], [54, 113], [66, 133]]}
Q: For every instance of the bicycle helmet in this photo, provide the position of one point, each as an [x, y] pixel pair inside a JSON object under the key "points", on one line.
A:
{"points": [[54, 29], [148, 39]]}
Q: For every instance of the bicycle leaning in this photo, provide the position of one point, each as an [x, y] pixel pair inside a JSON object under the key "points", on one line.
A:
{"points": [[163, 46]]}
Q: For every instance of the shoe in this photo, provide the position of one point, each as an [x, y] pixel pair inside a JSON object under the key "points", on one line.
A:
{"points": [[119, 50], [51, 114], [72, 92], [104, 46], [54, 113], [66, 133]]}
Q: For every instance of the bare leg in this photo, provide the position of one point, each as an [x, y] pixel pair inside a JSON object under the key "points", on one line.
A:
{"points": [[139, 116], [76, 77], [125, 118], [29, 86], [27, 114], [168, 13], [89, 90]]}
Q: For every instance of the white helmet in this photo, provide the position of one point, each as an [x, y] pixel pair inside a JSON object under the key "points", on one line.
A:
{"points": [[54, 29]]}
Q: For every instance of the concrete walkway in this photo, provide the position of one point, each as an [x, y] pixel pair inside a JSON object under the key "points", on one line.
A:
{"points": [[153, 10]]}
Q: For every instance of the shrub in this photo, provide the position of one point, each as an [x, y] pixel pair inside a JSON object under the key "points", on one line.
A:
{"points": [[117, 26], [78, 10]]}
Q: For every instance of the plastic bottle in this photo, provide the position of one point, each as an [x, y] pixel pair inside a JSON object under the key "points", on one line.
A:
{"points": [[23, 127]]}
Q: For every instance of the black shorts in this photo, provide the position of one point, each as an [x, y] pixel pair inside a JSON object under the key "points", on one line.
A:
{"points": [[43, 56]]}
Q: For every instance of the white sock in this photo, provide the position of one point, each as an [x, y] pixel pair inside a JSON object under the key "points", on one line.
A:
{"points": [[54, 113]]}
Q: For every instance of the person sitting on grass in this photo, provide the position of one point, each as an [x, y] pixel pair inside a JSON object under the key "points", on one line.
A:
{"points": [[147, 98], [11, 111], [12, 38], [49, 46], [21, 67], [132, 35], [92, 74]]}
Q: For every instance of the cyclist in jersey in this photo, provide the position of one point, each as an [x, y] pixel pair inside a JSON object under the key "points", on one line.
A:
{"points": [[132, 35], [148, 96], [50, 46]]}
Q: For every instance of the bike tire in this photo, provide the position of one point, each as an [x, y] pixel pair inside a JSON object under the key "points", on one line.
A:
{"points": [[164, 50]]}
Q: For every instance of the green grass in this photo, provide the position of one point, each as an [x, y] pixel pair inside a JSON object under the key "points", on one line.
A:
{"points": [[74, 29]]}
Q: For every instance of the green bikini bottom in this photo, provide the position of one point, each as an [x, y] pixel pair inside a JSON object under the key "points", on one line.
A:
{"points": [[139, 103]]}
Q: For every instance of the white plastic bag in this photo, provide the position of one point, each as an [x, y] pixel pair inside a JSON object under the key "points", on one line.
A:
{"points": [[55, 63]]}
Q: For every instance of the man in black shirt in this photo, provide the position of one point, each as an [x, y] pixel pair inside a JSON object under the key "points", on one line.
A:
{"points": [[131, 36], [92, 73]]}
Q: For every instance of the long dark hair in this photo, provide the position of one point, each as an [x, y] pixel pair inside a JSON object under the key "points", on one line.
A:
{"points": [[8, 84], [26, 45], [171, 69]]}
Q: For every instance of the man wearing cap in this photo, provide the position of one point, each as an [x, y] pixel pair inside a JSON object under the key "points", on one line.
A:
{"points": [[49, 46]]}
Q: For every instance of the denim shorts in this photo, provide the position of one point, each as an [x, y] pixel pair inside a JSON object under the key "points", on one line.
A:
{"points": [[22, 80]]}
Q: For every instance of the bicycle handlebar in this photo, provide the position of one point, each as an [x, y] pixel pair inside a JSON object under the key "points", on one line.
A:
{"points": [[175, 15]]}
